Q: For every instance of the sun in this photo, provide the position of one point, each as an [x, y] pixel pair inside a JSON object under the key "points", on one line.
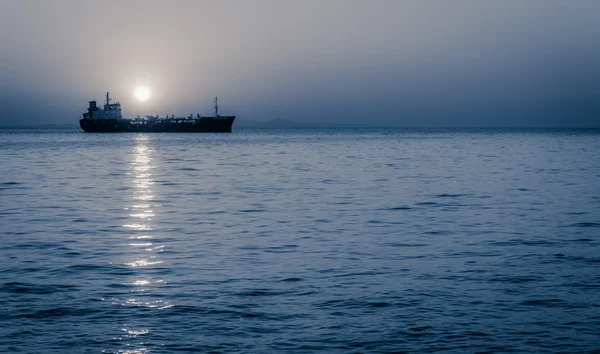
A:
{"points": [[142, 93]]}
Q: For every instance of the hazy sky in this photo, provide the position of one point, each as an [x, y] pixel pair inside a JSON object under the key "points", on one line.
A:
{"points": [[395, 63]]}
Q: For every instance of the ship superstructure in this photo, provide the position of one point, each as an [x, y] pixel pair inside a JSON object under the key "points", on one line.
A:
{"points": [[110, 120], [110, 111]]}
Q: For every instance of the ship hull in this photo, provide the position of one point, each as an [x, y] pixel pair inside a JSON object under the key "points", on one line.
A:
{"points": [[205, 125]]}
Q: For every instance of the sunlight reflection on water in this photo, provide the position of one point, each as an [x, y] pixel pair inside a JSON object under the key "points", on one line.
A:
{"points": [[143, 255]]}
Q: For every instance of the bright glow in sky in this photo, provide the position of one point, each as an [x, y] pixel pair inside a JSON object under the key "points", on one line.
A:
{"points": [[142, 93]]}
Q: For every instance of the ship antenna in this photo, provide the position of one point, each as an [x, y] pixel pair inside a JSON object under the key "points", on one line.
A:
{"points": [[216, 107]]}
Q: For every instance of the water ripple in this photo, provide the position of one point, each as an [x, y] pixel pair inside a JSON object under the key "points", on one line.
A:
{"points": [[300, 241]]}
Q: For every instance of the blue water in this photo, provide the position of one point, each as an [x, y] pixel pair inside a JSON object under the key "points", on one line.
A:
{"points": [[300, 241]]}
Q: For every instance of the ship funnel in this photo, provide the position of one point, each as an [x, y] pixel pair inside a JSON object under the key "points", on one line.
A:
{"points": [[216, 107]]}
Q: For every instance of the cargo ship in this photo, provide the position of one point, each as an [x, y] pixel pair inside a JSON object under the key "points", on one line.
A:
{"points": [[110, 120]]}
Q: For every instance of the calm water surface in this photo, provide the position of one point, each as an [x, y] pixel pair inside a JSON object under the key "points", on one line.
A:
{"points": [[300, 241]]}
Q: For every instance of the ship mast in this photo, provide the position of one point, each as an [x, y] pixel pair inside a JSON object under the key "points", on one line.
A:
{"points": [[216, 107]]}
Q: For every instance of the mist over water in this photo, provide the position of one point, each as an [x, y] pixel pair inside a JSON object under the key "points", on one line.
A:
{"points": [[300, 241]]}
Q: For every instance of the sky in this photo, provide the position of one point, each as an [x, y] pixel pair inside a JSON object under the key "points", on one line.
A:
{"points": [[421, 63]]}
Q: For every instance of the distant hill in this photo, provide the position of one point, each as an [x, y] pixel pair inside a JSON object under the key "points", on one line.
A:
{"points": [[273, 123], [285, 123]]}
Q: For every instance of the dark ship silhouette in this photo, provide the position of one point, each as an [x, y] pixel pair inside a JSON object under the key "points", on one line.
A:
{"points": [[110, 120]]}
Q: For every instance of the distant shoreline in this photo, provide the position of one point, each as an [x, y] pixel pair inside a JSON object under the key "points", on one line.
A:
{"points": [[333, 126]]}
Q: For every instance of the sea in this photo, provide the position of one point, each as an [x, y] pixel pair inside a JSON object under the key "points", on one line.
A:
{"points": [[300, 241]]}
